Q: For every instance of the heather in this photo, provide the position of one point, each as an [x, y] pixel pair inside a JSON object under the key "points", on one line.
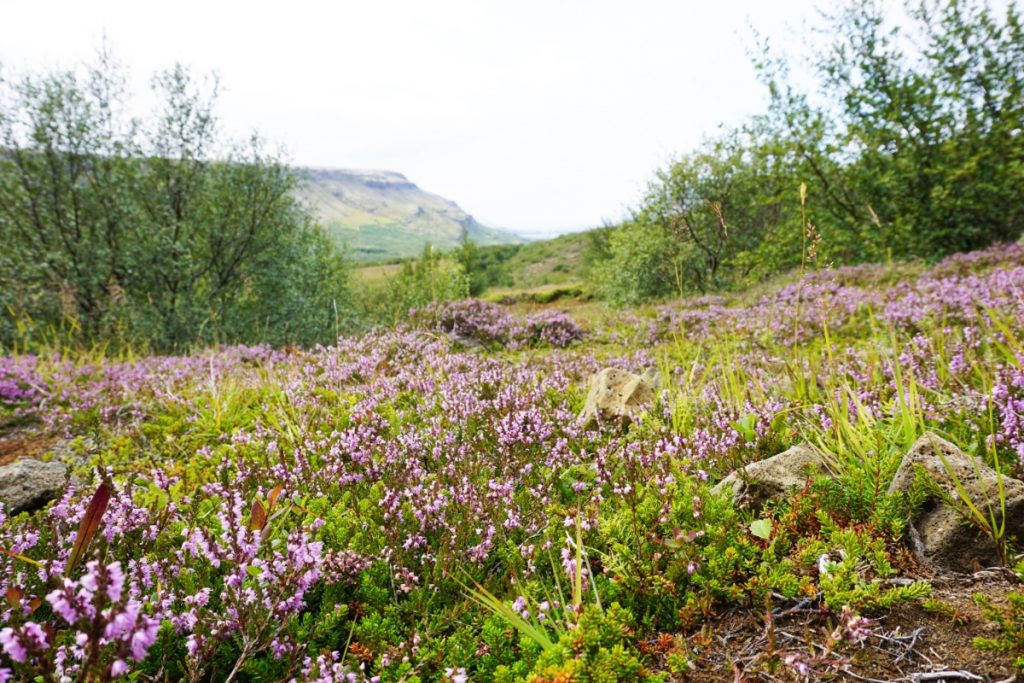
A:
{"points": [[408, 505]]}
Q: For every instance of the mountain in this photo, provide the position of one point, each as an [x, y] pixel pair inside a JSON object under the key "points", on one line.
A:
{"points": [[381, 214]]}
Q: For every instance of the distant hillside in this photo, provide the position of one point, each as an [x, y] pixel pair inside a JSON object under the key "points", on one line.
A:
{"points": [[554, 261], [381, 214]]}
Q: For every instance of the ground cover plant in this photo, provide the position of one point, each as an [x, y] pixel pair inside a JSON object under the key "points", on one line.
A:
{"points": [[423, 503]]}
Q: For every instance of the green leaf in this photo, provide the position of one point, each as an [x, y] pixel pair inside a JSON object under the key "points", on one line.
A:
{"points": [[747, 427], [762, 528]]}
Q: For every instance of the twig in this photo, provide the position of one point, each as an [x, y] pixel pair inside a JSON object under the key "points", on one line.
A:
{"points": [[795, 608], [944, 675], [908, 649], [863, 678], [924, 677]]}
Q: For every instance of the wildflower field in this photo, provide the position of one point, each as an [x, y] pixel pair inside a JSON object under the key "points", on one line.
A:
{"points": [[424, 504]]}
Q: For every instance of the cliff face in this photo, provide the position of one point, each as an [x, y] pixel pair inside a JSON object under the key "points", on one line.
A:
{"points": [[381, 214]]}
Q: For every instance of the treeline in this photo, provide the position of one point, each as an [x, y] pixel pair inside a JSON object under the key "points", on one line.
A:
{"points": [[151, 230], [912, 145], [158, 231]]}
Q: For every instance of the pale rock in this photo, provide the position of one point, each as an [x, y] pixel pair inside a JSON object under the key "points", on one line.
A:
{"points": [[758, 482], [617, 394]]}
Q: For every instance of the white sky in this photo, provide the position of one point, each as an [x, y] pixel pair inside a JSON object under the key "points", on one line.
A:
{"points": [[534, 115]]}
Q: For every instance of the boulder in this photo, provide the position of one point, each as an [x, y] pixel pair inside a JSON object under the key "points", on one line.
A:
{"points": [[940, 532], [29, 484], [617, 394], [757, 483]]}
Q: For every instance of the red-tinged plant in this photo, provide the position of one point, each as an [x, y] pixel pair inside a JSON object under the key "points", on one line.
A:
{"points": [[90, 523], [258, 516]]}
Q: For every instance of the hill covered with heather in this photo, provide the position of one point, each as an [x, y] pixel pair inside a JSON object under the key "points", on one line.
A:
{"points": [[265, 424], [426, 503]]}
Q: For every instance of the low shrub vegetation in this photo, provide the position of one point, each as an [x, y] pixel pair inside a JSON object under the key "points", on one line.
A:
{"points": [[399, 506]]}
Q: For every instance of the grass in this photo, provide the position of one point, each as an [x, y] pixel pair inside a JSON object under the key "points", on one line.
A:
{"points": [[426, 510]]}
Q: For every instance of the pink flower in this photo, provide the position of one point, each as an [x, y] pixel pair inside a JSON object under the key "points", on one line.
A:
{"points": [[143, 638], [12, 645], [122, 622], [118, 668], [456, 675], [796, 662], [852, 627], [18, 645], [115, 581], [64, 602]]}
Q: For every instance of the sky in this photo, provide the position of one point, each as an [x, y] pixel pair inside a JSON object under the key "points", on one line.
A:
{"points": [[540, 116]]}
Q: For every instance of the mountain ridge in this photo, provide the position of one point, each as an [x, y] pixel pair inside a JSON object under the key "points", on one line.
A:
{"points": [[380, 214]]}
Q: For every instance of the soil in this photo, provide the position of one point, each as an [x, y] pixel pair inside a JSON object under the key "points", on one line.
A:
{"points": [[905, 642], [15, 446]]}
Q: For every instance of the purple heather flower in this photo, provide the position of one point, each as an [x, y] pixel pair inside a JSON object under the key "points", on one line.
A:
{"points": [[851, 626], [65, 602], [115, 581], [798, 663], [456, 675], [144, 637], [118, 668], [12, 645], [18, 644], [519, 607]]}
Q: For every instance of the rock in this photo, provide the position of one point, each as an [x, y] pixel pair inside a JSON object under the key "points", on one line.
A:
{"points": [[941, 534], [757, 483], [617, 394], [29, 484]]}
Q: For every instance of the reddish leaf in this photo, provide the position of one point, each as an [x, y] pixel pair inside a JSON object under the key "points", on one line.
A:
{"points": [[258, 516], [34, 604], [274, 495], [90, 523], [13, 597]]}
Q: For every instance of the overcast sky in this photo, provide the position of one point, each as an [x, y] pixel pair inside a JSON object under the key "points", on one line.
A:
{"points": [[535, 115]]}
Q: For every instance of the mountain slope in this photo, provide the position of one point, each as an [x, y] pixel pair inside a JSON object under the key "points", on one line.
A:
{"points": [[381, 214]]}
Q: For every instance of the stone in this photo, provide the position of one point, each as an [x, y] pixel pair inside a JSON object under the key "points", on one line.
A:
{"points": [[29, 484], [617, 394], [940, 533], [755, 484]]}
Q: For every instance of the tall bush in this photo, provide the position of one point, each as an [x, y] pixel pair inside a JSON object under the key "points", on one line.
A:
{"points": [[153, 229], [911, 146]]}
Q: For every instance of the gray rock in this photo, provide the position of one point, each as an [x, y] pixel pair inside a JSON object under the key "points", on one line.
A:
{"points": [[941, 534], [29, 484], [757, 483], [617, 394]]}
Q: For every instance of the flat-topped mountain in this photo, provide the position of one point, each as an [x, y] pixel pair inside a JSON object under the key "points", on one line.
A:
{"points": [[381, 214]]}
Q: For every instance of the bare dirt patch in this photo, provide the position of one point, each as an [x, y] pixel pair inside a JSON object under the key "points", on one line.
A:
{"points": [[17, 445], [742, 645]]}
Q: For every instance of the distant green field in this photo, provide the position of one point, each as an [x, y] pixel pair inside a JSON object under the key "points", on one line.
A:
{"points": [[541, 271], [376, 272]]}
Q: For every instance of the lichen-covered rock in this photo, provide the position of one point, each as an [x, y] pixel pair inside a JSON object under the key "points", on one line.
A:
{"points": [[757, 483], [941, 531], [617, 394], [29, 484]]}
